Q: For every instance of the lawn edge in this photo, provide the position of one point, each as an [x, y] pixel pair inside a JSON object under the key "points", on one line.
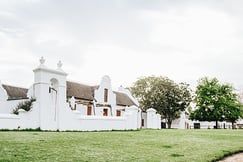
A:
{"points": [[227, 155]]}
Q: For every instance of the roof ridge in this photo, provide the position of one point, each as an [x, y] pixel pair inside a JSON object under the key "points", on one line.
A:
{"points": [[13, 86], [82, 83]]}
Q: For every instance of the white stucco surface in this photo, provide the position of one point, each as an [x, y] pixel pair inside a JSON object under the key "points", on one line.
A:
{"points": [[52, 111]]}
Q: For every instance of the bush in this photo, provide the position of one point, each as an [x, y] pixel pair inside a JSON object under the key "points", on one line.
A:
{"points": [[25, 105]]}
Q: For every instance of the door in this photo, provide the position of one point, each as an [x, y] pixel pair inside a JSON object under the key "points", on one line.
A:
{"points": [[105, 112], [89, 110]]}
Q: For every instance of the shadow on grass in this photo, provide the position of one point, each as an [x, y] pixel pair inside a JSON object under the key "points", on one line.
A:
{"points": [[176, 155], [167, 146]]}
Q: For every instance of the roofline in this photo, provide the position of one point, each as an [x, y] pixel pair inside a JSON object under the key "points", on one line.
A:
{"points": [[93, 86], [80, 98], [14, 86], [21, 98], [50, 71]]}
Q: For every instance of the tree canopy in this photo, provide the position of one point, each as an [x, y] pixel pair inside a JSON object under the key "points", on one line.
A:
{"points": [[216, 102], [162, 94]]}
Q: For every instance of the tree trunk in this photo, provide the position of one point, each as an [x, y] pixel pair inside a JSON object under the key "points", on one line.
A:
{"points": [[216, 124], [232, 125], [169, 123]]}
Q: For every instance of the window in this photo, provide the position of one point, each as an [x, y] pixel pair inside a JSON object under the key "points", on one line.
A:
{"points": [[89, 110], [105, 112], [118, 112], [105, 95], [142, 122]]}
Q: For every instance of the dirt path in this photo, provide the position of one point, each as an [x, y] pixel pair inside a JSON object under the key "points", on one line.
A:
{"points": [[233, 158]]}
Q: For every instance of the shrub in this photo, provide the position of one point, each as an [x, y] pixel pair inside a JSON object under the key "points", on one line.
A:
{"points": [[25, 105]]}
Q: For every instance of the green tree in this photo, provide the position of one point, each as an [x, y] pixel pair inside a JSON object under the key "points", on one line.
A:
{"points": [[216, 102], [162, 94], [234, 111]]}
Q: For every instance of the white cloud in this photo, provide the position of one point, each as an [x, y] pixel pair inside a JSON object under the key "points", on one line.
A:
{"points": [[191, 30], [184, 40]]}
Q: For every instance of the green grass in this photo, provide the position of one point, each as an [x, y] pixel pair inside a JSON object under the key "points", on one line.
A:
{"points": [[144, 145]]}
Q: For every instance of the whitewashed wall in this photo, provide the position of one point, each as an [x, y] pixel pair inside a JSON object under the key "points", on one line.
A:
{"points": [[73, 120], [180, 123], [132, 117], [51, 112], [210, 125], [9, 121], [139, 118], [121, 108], [12, 104], [99, 96], [3, 100], [30, 119], [81, 108], [153, 119], [99, 93]]}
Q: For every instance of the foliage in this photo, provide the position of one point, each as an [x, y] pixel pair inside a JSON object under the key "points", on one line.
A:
{"points": [[144, 145], [162, 94], [25, 105], [216, 102]]}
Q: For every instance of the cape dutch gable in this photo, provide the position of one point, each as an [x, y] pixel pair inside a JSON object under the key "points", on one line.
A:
{"points": [[64, 105]]}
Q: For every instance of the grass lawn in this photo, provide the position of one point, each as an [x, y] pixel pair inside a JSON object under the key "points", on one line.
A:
{"points": [[144, 145]]}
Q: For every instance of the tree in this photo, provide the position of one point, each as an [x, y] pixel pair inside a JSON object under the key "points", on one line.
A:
{"points": [[234, 109], [162, 94], [216, 102]]}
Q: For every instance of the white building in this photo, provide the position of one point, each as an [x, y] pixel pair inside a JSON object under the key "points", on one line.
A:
{"points": [[64, 105]]}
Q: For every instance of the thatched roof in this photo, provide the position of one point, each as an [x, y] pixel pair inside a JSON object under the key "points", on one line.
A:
{"points": [[85, 92], [123, 99], [80, 91], [15, 93]]}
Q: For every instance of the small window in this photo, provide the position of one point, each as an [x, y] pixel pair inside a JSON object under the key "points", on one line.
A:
{"points": [[105, 95], [89, 110], [118, 112], [142, 122], [105, 112]]}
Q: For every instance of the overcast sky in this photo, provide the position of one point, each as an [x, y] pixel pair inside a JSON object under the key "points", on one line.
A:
{"points": [[125, 39]]}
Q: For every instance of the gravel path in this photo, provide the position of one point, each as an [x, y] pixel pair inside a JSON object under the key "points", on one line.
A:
{"points": [[233, 158]]}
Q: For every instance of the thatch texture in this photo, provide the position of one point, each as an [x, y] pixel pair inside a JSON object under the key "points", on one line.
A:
{"points": [[80, 91], [123, 100], [15, 93]]}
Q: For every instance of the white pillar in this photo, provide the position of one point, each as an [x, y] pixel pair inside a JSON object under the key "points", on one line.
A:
{"points": [[151, 118], [50, 93], [132, 117]]}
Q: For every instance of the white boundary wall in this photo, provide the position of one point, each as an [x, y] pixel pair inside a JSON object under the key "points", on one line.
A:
{"points": [[151, 119], [50, 111], [9, 121], [181, 122], [72, 120]]}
